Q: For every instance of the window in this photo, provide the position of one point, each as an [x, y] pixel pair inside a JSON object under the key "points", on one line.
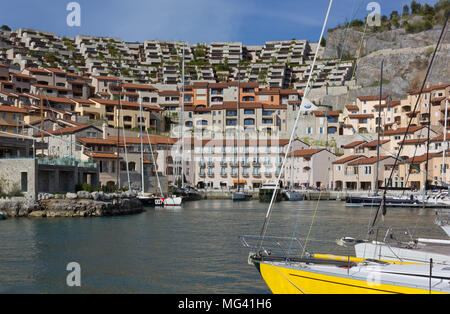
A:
{"points": [[24, 181], [249, 122], [249, 111], [368, 170]]}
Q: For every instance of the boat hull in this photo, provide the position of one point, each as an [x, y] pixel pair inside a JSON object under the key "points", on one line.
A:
{"points": [[188, 195], [351, 201], [284, 278], [151, 201], [390, 252], [173, 201], [265, 195], [295, 196], [241, 197]]}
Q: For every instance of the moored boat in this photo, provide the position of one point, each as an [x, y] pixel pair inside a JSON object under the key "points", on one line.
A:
{"points": [[172, 201], [241, 196], [151, 201], [266, 191], [293, 195], [3, 216], [188, 194], [329, 274]]}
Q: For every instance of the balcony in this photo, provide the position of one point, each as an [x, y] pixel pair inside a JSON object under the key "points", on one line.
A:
{"points": [[245, 164], [223, 163], [201, 164], [234, 164], [211, 164], [256, 164]]}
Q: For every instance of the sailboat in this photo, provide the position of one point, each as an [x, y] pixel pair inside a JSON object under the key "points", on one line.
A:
{"points": [[288, 269], [290, 193], [443, 220], [416, 250], [185, 192], [147, 201], [238, 195], [153, 201]]}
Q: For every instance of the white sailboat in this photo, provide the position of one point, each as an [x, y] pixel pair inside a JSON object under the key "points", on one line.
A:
{"points": [[286, 270], [153, 201]]}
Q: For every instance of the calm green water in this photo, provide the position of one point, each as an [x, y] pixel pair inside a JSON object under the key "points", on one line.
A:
{"points": [[195, 249]]}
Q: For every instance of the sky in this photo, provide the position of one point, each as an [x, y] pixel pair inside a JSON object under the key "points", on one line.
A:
{"points": [[252, 22]]}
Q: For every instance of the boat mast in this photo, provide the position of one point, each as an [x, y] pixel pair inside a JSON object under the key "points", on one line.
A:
{"points": [[238, 125], [377, 187], [307, 88], [182, 121], [42, 125], [142, 146], [444, 145]]}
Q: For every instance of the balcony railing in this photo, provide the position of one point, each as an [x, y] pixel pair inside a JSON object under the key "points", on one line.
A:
{"points": [[66, 162]]}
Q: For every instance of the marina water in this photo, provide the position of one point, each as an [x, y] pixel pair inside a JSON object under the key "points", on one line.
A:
{"points": [[195, 249]]}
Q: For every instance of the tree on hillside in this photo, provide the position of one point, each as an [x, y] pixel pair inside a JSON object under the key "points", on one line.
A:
{"points": [[405, 11], [394, 15], [5, 28], [416, 7]]}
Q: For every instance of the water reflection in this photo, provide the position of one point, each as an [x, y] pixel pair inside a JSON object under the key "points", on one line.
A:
{"points": [[194, 249]]}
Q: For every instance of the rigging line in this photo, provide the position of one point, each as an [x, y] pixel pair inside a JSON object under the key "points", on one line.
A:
{"points": [[154, 164], [267, 217], [311, 225], [410, 121], [326, 118], [125, 147]]}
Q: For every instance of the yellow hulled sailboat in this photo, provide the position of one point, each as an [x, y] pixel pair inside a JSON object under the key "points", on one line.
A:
{"points": [[307, 273], [329, 274]]}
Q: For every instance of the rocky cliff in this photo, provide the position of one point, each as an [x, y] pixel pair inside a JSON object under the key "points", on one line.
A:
{"points": [[406, 58]]}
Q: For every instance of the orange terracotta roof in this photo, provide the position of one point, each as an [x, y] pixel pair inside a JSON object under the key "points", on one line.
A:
{"points": [[99, 141], [38, 71], [137, 140], [372, 98], [12, 109], [318, 113], [138, 86], [347, 159], [306, 152], [412, 129], [102, 155], [106, 78], [352, 107], [354, 144], [368, 160], [429, 89], [361, 116], [375, 143], [440, 138], [414, 141]]}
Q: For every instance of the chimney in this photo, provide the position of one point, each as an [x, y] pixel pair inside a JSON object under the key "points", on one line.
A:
{"points": [[105, 132]]}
